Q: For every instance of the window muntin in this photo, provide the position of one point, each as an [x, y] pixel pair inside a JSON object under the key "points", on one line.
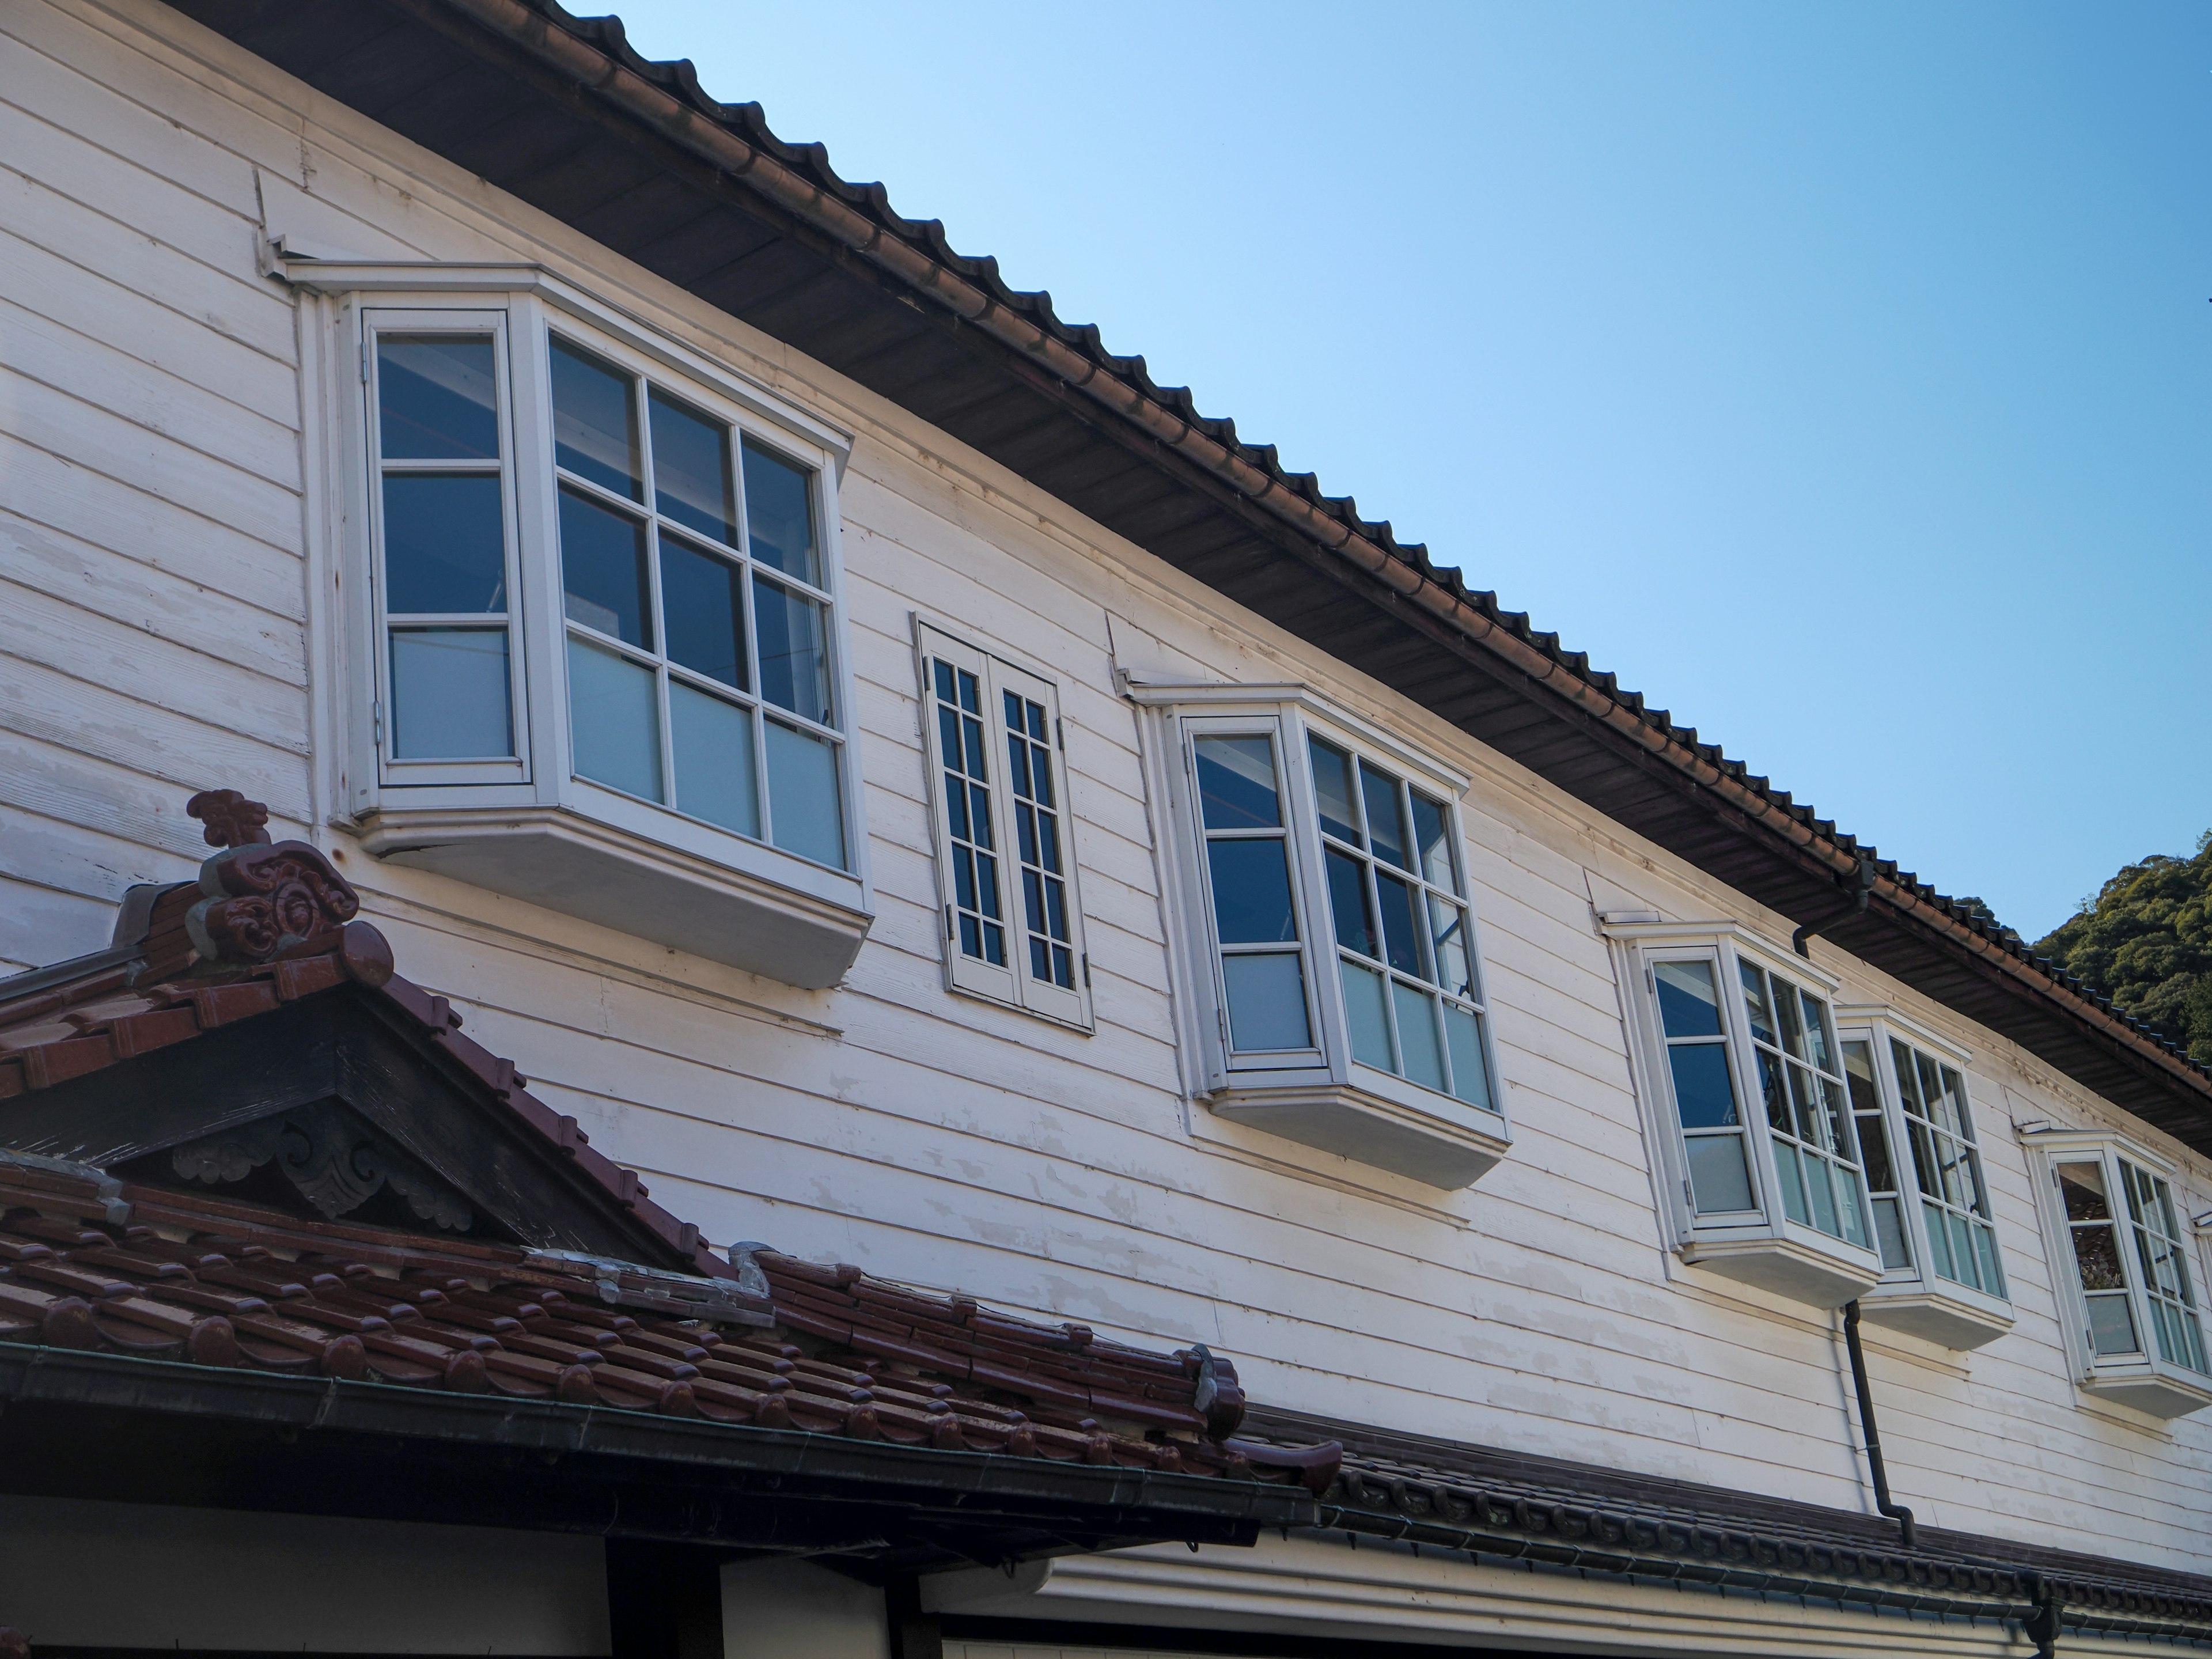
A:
{"points": [[444, 557], [1013, 922], [1800, 1084], [1947, 1168], [1412, 1004], [1259, 951], [672, 697]]}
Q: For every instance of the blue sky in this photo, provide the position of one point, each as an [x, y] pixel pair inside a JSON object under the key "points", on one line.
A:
{"points": [[1835, 375]]}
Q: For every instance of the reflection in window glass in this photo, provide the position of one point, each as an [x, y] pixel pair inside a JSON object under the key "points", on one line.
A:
{"points": [[794, 652], [445, 544], [605, 579], [437, 397], [691, 469], [780, 515], [1237, 783], [594, 421]]}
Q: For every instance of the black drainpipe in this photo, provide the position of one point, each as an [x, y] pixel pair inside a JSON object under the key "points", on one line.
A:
{"points": [[1860, 885], [1867, 1432]]}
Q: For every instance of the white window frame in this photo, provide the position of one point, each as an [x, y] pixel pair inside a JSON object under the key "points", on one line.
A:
{"points": [[1915, 1297], [1762, 1244], [530, 826], [1320, 1095], [2145, 1379], [1000, 872]]}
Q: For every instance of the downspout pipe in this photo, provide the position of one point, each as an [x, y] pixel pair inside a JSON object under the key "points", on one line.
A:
{"points": [[1882, 1501], [1860, 884]]}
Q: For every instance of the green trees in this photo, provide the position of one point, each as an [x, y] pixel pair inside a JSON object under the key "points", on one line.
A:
{"points": [[2146, 942]]}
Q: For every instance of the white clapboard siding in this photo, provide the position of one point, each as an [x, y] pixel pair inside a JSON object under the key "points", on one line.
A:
{"points": [[155, 637]]}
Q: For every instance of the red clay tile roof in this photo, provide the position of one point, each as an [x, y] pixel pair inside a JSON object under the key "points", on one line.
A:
{"points": [[88, 1261]]}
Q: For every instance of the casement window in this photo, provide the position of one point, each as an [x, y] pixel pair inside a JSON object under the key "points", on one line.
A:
{"points": [[1337, 988], [604, 661], [1013, 925], [1745, 1081], [1942, 1266], [2129, 1294]]}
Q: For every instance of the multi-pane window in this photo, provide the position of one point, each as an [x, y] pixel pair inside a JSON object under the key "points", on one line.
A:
{"points": [[1703, 1088], [698, 616], [444, 515], [1801, 1086], [1946, 1167], [2129, 1261], [1011, 926], [1258, 946], [1891, 1228], [1411, 1005]]}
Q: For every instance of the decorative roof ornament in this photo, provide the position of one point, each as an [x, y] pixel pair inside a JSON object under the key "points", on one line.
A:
{"points": [[261, 901]]}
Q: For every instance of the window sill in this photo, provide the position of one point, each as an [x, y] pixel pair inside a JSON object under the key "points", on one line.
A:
{"points": [[1953, 1316], [2158, 1389], [781, 917], [1377, 1120], [1822, 1274]]}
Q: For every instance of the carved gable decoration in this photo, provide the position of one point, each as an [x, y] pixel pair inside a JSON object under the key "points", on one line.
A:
{"points": [[331, 1158]]}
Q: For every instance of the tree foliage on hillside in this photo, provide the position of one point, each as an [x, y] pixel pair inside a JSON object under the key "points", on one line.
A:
{"points": [[2146, 942]]}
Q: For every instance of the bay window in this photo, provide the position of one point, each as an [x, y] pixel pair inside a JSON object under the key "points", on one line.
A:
{"points": [[1332, 941], [2129, 1296], [1749, 1107], [1942, 1267], [605, 664]]}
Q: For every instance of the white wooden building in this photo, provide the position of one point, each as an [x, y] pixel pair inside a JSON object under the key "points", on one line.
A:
{"points": [[620, 547]]}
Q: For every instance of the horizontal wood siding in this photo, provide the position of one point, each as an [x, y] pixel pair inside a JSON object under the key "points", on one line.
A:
{"points": [[156, 635]]}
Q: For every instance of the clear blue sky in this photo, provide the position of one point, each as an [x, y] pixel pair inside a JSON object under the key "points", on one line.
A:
{"points": [[1838, 375]]}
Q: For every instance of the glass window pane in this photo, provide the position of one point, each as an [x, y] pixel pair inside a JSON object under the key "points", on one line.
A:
{"points": [[1432, 836], [1418, 1043], [1385, 827], [1792, 1174], [779, 514], [1889, 1229], [445, 544], [594, 421], [437, 397], [1251, 892], [614, 720], [1791, 1028], [603, 571], [1237, 783], [1820, 1190], [795, 650], [1985, 1247], [1849, 1209], [1402, 934], [1689, 1006], [702, 603], [1756, 1003], [449, 694], [1266, 1002], [1702, 1094], [2083, 1187], [1908, 1078], [691, 469], [1774, 1091], [1348, 906], [1463, 1041], [805, 803], [1717, 1176], [2097, 1258], [1454, 969], [1331, 770], [1818, 1049], [713, 742], [1362, 1013], [2111, 1327], [1964, 1265]]}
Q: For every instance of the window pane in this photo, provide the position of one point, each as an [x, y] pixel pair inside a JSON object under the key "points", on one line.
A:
{"points": [[614, 720], [1417, 1035], [1817, 1047], [1985, 1247], [594, 422], [1792, 1173], [1432, 836], [445, 544], [1385, 827], [1792, 1031], [794, 652], [1362, 1013], [1266, 1002], [1702, 1094], [1402, 934], [437, 397], [603, 572], [1687, 1004], [1823, 1193], [691, 469], [702, 603], [1237, 783], [1463, 1039], [713, 741], [2097, 1258], [2111, 1327], [1889, 1229], [1347, 904], [2083, 1187], [1755, 1002], [1454, 971], [449, 694], [1331, 770], [1717, 1176], [1251, 892], [803, 801], [1773, 1091], [779, 514]]}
